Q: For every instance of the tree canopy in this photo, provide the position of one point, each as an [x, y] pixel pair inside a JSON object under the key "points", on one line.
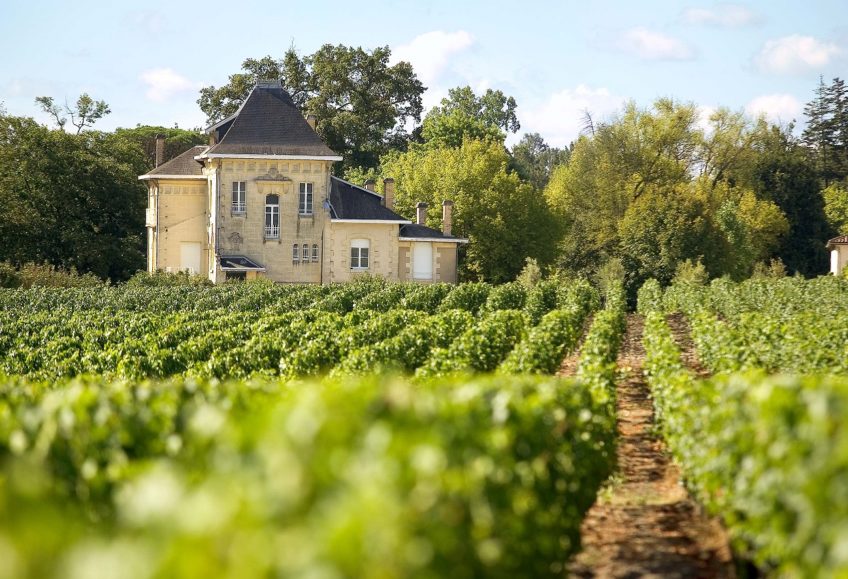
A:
{"points": [[505, 219], [653, 189], [71, 200]]}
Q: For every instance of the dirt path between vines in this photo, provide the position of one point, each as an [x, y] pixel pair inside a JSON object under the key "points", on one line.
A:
{"points": [[646, 524]]}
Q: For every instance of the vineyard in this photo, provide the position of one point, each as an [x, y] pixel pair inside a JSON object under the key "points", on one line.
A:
{"points": [[393, 430], [758, 425], [362, 430]]}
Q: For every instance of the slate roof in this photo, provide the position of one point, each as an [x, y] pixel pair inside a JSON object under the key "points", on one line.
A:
{"points": [[239, 263], [348, 201], [422, 231], [842, 239], [183, 164], [269, 123]]}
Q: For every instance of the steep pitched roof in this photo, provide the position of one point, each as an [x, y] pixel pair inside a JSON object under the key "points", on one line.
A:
{"points": [[183, 165], [415, 231], [347, 201], [269, 123]]}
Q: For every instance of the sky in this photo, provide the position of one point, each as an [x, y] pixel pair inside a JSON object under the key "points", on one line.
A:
{"points": [[557, 58]]}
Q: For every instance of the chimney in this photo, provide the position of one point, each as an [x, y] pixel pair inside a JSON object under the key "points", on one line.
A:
{"points": [[389, 193], [160, 150], [312, 120], [369, 184], [421, 213], [447, 210]]}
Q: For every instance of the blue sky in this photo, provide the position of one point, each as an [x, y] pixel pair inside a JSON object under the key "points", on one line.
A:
{"points": [[148, 60]]}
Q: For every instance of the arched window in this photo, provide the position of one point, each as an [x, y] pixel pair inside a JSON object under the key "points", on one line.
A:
{"points": [[295, 252], [315, 252], [304, 256], [272, 217]]}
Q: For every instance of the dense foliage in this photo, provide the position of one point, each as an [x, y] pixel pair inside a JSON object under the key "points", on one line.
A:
{"points": [[139, 331], [762, 440], [378, 476], [764, 452]]}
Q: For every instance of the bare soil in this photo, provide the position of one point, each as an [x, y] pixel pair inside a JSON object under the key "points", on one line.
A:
{"points": [[569, 364], [645, 524]]}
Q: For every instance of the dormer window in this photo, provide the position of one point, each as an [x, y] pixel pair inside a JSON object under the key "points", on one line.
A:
{"points": [[305, 199]]}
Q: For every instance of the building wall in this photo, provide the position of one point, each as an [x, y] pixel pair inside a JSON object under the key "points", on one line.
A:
{"points": [[181, 216], [839, 261], [444, 262], [245, 235], [383, 251]]}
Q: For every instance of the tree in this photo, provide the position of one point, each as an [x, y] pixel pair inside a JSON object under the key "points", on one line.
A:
{"points": [[782, 172], [836, 208], [71, 200], [494, 108], [176, 141], [463, 115], [362, 105], [505, 220], [705, 180], [87, 112], [534, 160]]}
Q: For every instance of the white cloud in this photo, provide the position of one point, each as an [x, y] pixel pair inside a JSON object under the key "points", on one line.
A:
{"points": [[163, 83], [796, 53], [430, 53], [650, 45], [777, 108], [560, 118], [724, 15]]}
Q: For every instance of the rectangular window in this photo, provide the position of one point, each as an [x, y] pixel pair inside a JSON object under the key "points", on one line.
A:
{"points": [[359, 254], [239, 206], [272, 217], [315, 252], [305, 199]]}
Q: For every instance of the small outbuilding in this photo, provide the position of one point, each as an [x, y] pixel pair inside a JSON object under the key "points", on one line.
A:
{"points": [[838, 247]]}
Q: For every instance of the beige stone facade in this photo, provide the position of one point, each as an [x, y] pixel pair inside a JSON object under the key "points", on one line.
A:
{"points": [[261, 201]]}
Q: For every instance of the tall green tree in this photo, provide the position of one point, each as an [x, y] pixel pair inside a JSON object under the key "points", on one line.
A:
{"points": [[362, 104], [176, 141], [464, 115], [663, 155], [85, 113], [71, 200], [505, 219], [534, 160]]}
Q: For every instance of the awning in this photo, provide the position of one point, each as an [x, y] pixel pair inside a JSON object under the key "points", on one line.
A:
{"points": [[239, 263]]}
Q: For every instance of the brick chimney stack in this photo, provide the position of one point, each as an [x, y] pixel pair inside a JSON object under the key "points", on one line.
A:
{"points": [[160, 150], [421, 213], [447, 216], [369, 184], [312, 120], [389, 193]]}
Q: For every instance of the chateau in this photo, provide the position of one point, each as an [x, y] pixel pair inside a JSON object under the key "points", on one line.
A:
{"points": [[260, 200]]}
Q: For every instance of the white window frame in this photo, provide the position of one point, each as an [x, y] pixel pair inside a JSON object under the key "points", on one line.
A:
{"points": [[304, 253], [295, 253], [272, 211], [305, 197], [315, 252], [239, 205], [360, 254]]}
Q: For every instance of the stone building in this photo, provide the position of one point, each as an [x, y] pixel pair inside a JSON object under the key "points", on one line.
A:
{"points": [[260, 200]]}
